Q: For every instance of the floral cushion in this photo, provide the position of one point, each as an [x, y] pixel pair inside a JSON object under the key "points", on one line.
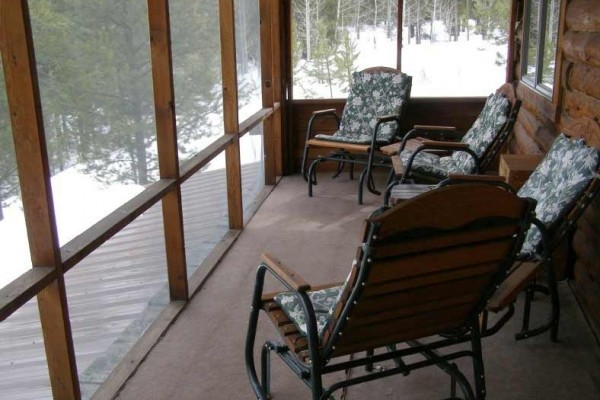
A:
{"points": [[323, 302], [371, 95], [432, 165], [484, 130], [557, 182]]}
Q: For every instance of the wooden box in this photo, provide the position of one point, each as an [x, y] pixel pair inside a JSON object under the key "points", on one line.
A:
{"points": [[516, 168]]}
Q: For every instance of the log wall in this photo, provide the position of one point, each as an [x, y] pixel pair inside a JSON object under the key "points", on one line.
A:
{"points": [[576, 95], [580, 86]]}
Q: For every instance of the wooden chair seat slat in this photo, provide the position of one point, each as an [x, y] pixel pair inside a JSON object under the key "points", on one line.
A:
{"points": [[425, 210], [349, 147], [413, 297], [458, 257], [378, 289], [455, 316], [404, 312], [452, 239], [343, 349]]}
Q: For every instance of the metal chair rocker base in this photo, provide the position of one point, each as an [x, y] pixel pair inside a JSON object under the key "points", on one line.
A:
{"points": [[343, 158], [312, 375]]}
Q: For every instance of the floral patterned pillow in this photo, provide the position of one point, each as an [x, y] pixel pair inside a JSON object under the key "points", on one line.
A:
{"points": [[323, 302], [373, 95], [483, 132], [557, 182]]}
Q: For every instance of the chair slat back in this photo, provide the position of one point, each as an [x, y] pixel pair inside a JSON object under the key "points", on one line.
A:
{"points": [[429, 264]]}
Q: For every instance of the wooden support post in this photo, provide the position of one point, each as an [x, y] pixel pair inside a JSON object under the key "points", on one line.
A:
{"points": [[230, 113], [168, 156], [277, 36], [266, 61], [23, 95], [399, 35]]}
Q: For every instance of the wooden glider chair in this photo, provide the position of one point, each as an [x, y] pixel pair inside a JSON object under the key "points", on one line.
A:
{"points": [[425, 269], [377, 100], [563, 185], [426, 154]]}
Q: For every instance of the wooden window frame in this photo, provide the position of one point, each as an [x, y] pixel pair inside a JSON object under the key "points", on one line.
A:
{"points": [[535, 82]]}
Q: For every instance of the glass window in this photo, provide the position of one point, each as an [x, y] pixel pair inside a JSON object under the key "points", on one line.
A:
{"points": [[332, 39], [253, 169], [205, 212], [23, 356], [114, 295], [247, 43], [196, 74], [462, 53], [541, 41], [14, 244], [93, 64]]}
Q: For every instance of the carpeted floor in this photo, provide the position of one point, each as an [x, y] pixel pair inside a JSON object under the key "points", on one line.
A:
{"points": [[202, 355]]}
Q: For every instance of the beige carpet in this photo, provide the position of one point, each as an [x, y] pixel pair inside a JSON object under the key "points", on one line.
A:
{"points": [[202, 355]]}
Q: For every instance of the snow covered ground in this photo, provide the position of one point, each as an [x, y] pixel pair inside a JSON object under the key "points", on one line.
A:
{"points": [[439, 69]]}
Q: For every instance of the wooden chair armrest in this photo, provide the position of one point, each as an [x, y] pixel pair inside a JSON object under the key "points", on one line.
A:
{"points": [[434, 128], [388, 118], [323, 112], [291, 278], [487, 178], [444, 145]]}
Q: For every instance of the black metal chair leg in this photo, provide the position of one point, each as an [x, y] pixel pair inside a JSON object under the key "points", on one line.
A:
{"points": [[312, 176], [265, 369], [361, 182], [304, 159], [478, 368]]}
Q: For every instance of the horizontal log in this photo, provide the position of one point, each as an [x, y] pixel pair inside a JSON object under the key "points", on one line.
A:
{"points": [[584, 79], [579, 105], [541, 130], [523, 143], [536, 103], [587, 292], [586, 243], [583, 15], [582, 47]]}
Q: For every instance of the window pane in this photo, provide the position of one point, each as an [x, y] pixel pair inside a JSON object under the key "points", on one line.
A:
{"points": [[532, 38], [463, 53], [14, 244], [196, 73], [247, 42], [23, 365], [330, 40], [205, 213], [550, 42], [95, 81], [114, 295], [253, 169]]}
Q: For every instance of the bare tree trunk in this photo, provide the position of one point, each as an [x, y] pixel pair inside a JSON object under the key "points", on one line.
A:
{"points": [[409, 30], [431, 32], [389, 19], [337, 19], [418, 22], [358, 19], [375, 16], [468, 18], [307, 29]]}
